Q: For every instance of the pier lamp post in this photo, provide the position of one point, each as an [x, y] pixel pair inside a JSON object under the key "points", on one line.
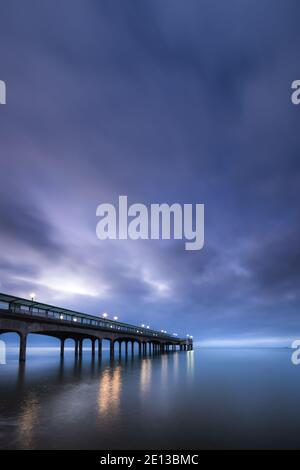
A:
{"points": [[104, 315], [32, 297], [115, 318]]}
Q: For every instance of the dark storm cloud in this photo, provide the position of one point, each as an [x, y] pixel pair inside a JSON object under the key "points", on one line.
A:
{"points": [[23, 222], [275, 263], [166, 102]]}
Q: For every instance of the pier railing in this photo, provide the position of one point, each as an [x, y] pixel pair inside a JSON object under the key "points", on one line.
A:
{"points": [[21, 306]]}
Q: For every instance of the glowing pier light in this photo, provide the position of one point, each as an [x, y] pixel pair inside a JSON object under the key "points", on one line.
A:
{"points": [[115, 318], [104, 315], [32, 296]]}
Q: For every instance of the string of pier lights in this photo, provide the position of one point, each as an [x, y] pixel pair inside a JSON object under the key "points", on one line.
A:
{"points": [[115, 318]]}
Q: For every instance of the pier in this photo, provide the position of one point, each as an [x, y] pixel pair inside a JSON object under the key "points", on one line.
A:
{"points": [[24, 317]]}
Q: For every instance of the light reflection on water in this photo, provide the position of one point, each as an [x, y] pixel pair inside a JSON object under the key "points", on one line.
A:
{"points": [[28, 419], [145, 376], [196, 399], [109, 395]]}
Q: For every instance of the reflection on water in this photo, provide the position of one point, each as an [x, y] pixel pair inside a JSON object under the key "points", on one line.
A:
{"points": [[190, 357], [197, 399], [28, 419], [110, 391], [145, 376], [164, 370]]}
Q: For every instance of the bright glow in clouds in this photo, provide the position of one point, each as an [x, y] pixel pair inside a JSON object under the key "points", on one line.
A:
{"points": [[68, 283], [161, 288]]}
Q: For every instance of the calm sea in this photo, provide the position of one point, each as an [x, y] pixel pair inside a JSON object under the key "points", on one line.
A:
{"points": [[202, 399]]}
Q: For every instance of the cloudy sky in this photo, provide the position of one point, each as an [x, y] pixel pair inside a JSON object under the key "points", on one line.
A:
{"points": [[163, 101]]}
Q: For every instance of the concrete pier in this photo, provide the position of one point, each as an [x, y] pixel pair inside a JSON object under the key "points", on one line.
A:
{"points": [[25, 317]]}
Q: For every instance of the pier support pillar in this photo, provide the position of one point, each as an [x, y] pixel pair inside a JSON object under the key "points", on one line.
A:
{"points": [[23, 342], [140, 348], [80, 344], [93, 348], [62, 348], [76, 347], [99, 348], [111, 348], [126, 348]]}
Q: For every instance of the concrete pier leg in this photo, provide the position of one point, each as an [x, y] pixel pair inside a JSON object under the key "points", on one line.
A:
{"points": [[111, 347], [120, 348], [93, 348], [99, 348], [62, 348], [80, 344], [140, 348], [76, 347], [126, 348], [23, 342]]}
